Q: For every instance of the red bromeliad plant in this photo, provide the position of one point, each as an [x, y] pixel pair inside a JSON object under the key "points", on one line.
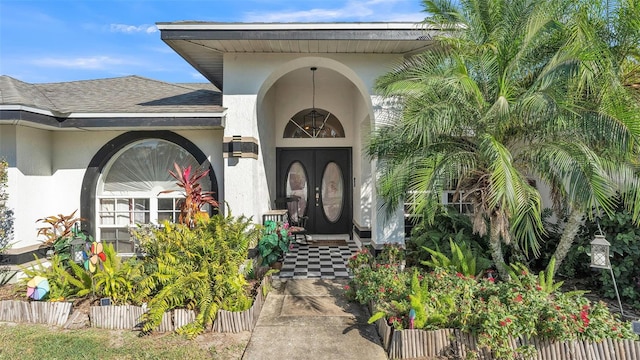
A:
{"points": [[194, 197]]}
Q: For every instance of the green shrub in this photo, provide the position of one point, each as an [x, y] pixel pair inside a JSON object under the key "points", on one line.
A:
{"points": [[462, 260], [447, 226], [121, 281], [198, 268], [67, 280], [494, 311], [625, 261], [274, 242]]}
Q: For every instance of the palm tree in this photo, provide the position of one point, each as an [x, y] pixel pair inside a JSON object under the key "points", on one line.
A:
{"points": [[495, 104], [610, 42]]}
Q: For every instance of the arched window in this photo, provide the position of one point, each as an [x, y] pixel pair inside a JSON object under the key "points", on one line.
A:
{"points": [[128, 191], [314, 123]]}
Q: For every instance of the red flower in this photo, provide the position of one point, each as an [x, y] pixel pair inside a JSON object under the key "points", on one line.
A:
{"points": [[459, 275], [347, 287], [492, 280], [584, 317], [502, 323], [518, 298]]}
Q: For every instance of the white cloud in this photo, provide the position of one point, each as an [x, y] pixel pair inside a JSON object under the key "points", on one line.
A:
{"points": [[91, 62], [131, 29], [353, 10]]}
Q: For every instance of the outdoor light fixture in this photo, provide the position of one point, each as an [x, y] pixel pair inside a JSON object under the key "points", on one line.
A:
{"points": [[600, 258], [77, 247], [314, 120], [600, 252]]}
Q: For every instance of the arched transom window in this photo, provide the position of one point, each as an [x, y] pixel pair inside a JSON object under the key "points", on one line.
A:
{"points": [[129, 190], [314, 123]]}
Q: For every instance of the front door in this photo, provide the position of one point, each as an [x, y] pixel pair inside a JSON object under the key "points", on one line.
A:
{"points": [[321, 177]]}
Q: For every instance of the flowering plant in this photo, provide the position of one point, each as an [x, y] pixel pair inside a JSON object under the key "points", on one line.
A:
{"points": [[495, 311]]}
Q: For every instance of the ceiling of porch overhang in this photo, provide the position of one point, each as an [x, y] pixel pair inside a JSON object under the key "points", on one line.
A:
{"points": [[203, 44]]}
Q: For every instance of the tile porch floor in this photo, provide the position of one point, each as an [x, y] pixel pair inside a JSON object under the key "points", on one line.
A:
{"points": [[318, 261]]}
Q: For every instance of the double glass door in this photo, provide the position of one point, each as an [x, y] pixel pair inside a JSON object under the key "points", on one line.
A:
{"points": [[321, 179]]}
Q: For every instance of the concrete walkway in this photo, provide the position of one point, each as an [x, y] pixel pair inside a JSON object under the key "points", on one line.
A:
{"points": [[311, 319]]}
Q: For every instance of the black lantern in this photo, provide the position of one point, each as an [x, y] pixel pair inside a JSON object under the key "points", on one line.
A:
{"points": [[77, 247]]}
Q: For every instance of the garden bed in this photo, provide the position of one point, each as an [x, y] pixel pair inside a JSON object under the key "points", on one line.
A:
{"points": [[127, 317], [453, 343]]}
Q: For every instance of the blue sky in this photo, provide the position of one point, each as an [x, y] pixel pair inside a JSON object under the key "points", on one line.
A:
{"points": [[66, 40]]}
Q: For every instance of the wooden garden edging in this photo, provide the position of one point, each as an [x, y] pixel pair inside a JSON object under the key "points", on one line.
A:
{"points": [[237, 321], [408, 344], [128, 317], [52, 313]]}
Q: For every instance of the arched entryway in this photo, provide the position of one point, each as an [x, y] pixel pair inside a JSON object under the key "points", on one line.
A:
{"points": [[328, 152]]}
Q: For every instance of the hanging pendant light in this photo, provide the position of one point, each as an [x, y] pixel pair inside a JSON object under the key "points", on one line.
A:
{"points": [[314, 118]]}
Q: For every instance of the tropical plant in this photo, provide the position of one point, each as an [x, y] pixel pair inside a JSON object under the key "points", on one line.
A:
{"points": [[194, 198], [446, 225], [392, 254], [609, 39], [623, 235], [123, 282], [496, 312], [496, 102], [198, 268], [60, 226], [67, 279], [274, 242], [462, 260]]}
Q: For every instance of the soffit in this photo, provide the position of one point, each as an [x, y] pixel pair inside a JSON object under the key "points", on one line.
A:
{"points": [[203, 44]]}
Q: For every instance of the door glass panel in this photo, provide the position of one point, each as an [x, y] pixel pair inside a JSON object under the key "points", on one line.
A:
{"points": [[297, 185], [332, 192]]}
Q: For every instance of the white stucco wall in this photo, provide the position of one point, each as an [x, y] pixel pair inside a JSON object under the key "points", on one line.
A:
{"points": [[48, 167], [263, 91]]}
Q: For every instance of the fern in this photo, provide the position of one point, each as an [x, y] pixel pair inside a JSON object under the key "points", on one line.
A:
{"points": [[545, 279], [199, 268]]}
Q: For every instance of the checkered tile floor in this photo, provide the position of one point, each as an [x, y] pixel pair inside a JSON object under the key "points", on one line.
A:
{"points": [[317, 262]]}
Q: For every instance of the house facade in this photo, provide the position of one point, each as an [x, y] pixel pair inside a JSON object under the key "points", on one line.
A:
{"points": [[287, 112]]}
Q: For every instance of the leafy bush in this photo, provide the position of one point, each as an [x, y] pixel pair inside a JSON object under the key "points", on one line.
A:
{"points": [[437, 236], [122, 281], [198, 268], [67, 280], [625, 262], [462, 260], [274, 242], [495, 311]]}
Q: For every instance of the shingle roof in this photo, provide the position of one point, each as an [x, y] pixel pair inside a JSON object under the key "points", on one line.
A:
{"points": [[129, 94]]}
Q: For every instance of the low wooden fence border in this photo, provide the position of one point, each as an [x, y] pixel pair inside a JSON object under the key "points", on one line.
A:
{"points": [[127, 317], [51, 313], [408, 344]]}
